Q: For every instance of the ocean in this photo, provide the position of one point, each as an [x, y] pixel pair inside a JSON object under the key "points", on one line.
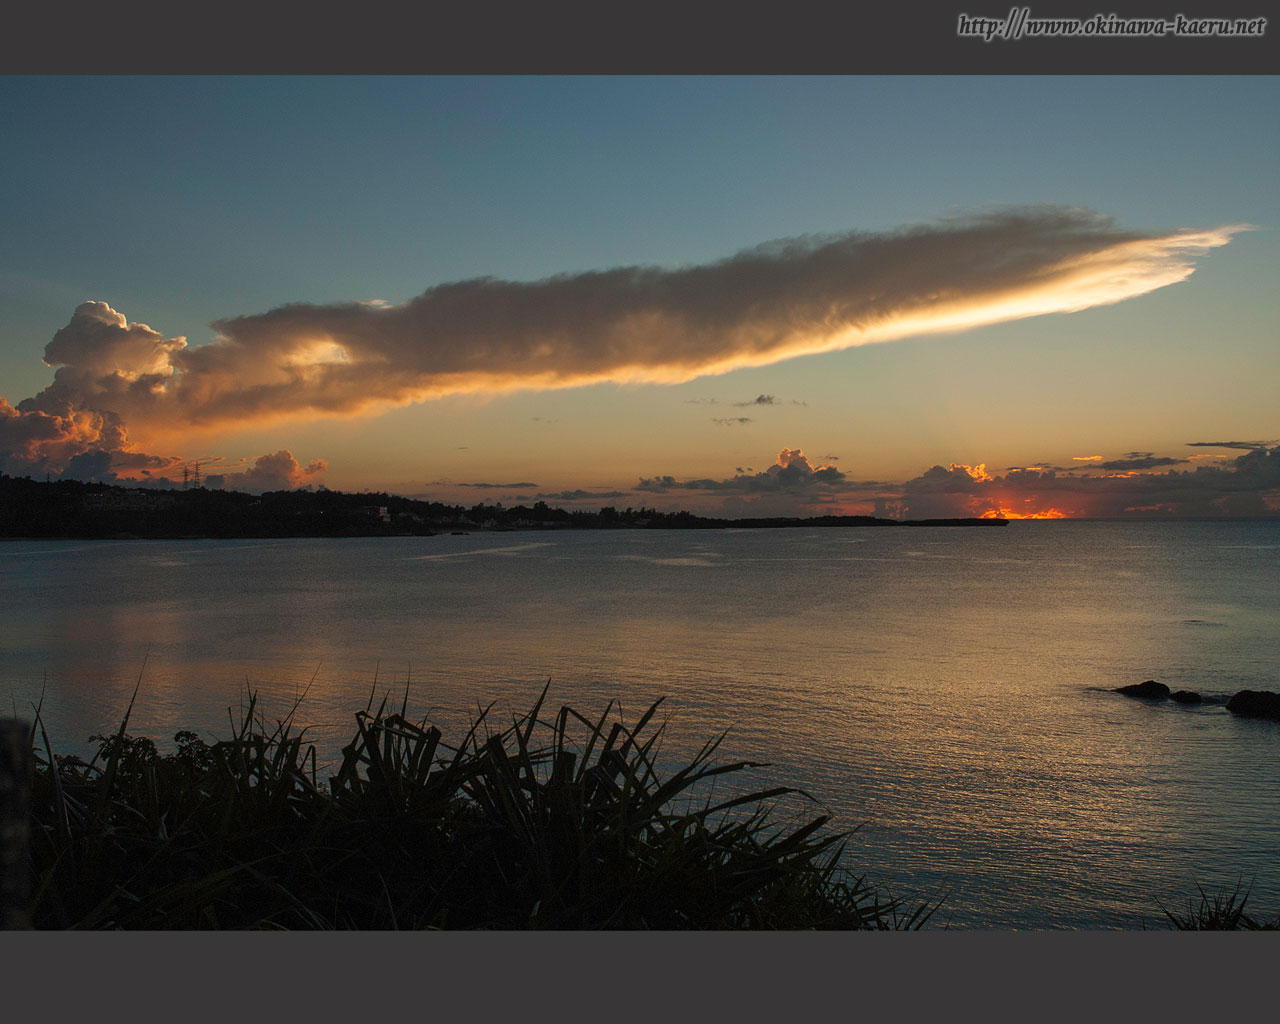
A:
{"points": [[943, 692]]}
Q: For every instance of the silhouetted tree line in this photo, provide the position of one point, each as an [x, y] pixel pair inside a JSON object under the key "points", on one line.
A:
{"points": [[70, 508]]}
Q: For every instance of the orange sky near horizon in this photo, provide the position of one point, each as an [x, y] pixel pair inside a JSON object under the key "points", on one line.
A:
{"points": [[1087, 312]]}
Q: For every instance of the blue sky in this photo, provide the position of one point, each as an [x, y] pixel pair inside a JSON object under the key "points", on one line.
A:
{"points": [[181, 201]]}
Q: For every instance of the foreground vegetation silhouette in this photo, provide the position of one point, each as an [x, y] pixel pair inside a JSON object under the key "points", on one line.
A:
{"points": [[1220, 912], [565, 823], [560, 824]]}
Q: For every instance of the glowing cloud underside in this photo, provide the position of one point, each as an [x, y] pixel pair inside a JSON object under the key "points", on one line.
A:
{"points": [[778, 301], [1248, 486], [775, 302]]}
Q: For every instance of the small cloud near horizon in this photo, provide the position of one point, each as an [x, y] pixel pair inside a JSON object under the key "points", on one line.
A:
{"points": [[278, 472], [792, 473], [583, 495], [1247, 445], [1139, 460]]}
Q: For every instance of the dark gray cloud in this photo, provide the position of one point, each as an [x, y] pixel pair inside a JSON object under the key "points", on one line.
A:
{"points": [[90, 466], [1248, 445], [758, 400], [581, 495], [1138, 460], [505, 487], [732, 421]]}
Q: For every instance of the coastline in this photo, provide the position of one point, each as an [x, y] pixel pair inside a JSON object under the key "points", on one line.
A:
{"points": [[56, 510]]}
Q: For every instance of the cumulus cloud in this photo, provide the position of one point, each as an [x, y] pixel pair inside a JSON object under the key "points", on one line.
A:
{"points": [[794, 486], [55, 433], [792, 473], [278, 472], [1249, 485], [72, 428]]}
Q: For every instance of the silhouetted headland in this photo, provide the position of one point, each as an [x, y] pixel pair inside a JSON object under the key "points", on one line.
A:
{"points": [[72, 509]]}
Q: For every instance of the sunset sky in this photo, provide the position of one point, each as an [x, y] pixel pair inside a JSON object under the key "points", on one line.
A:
{"points": [[740, 296]]}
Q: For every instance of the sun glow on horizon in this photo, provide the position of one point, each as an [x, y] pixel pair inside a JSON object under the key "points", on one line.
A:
{"points": [[1004, 512]]}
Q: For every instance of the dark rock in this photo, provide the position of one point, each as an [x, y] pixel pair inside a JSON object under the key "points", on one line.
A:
{"points": [[1186, 697], [1150, 689], [1255, 704]]}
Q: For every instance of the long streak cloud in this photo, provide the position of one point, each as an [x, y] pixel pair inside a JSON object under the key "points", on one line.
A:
{"points": [[774, 302], [780, 300]]}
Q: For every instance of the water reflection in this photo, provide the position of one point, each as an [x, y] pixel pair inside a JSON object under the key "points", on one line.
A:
{"points": [[946, 687]]}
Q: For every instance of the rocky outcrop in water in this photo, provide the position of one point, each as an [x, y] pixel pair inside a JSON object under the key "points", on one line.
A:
{"points": [[1149, 689], [1255, 704], [1245, 703]]}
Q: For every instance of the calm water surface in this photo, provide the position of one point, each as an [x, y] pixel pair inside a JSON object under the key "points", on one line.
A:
{"points": [[945, 689]]}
